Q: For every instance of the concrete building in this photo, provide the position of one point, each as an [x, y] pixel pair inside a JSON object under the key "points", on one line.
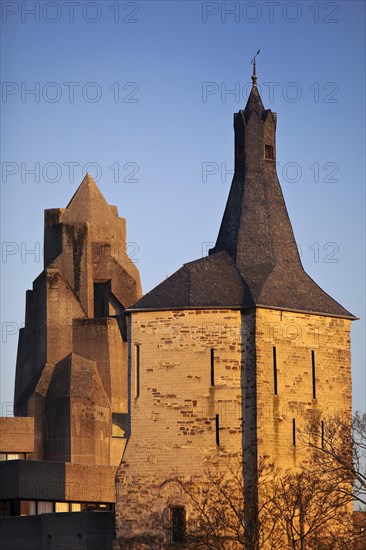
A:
{"points": [[71, 387], [71, 371], [227, 358]]}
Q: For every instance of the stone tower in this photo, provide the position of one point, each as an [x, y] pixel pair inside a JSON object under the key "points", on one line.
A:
{"points": [[71, 372], [231, 354]]}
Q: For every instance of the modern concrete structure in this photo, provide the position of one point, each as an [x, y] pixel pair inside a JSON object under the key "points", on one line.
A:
{"points": [[71, 387], [71, 371]]}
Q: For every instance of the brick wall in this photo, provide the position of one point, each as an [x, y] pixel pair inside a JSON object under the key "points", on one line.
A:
{"points": [[173, 412]]}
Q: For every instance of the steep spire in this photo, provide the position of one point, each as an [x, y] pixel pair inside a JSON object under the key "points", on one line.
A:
{"points": [[255, 262], [256, 230]]}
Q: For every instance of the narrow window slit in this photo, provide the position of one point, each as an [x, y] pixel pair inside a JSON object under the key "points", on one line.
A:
{"points": [[212, 367], [294, 432], [322, 434], [137, 373], [217, 423], [275, 387], [313, 372]]}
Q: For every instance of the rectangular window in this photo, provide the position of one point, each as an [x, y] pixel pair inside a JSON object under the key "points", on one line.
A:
{"points": [[313, 372], [12, 456], [45, 507], [322, 434], [95, 506], [137, 371], [15, 456], [178, 523], [119, 424], [217, 426], [27, 507], [268, 152], [294, 432], [212, 367], [275, 388], [101, 299], [62, 507]]}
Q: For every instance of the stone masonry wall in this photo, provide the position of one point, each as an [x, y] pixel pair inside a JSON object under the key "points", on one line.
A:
{"points": [[295, 336], [173, 414], [174, 407]]}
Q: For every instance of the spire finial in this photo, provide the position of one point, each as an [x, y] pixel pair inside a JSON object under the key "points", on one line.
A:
{"points": [[253, 62]]}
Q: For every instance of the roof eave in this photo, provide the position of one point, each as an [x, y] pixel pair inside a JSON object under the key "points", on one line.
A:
{"points": [[308, 311], [259, 306]]}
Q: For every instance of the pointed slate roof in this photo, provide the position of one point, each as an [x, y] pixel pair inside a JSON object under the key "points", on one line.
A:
{"points": [[254, 102], [255, 262], [208, 282]]}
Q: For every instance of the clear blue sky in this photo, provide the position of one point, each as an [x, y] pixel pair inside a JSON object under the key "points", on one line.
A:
{"points": [[143, 89]]}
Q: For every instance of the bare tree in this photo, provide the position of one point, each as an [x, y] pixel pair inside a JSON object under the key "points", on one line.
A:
{"points": [[339, 449], [217, 518], [359, 456], [304, 509], [338, 452], [310, 510]]}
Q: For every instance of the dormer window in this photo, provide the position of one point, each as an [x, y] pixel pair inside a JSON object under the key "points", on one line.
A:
{"points": [[268, 152]]}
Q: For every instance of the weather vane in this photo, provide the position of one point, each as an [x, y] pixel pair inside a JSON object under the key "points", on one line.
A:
{"points": [[253, 62]]}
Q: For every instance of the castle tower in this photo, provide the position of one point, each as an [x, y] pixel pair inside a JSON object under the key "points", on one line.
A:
{"points": [[231, 355], [300, 345], [71, 372]]}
